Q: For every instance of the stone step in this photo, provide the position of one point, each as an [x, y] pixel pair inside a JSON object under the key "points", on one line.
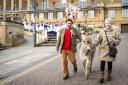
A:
{"points": [[48, 44], [1, 47], [52, 36], [52, 39]]}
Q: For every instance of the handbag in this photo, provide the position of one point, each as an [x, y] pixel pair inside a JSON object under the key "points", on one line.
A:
{"points": [[112, 49]]}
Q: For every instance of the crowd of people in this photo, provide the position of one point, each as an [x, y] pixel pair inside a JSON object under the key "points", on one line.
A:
{"points": [[41, 26]]}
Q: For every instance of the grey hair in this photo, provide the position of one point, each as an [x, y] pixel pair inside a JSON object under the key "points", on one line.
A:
{"points": [[108, 20]]}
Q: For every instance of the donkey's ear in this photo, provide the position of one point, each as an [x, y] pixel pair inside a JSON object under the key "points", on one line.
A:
{"points": [[89, 33], [82, 32]]}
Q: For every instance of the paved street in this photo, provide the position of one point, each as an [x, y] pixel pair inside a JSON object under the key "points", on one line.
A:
{"points": [[49, 72], [15, 60]]}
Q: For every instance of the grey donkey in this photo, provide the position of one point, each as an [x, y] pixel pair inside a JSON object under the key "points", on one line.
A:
{"points": [[86, 52]]}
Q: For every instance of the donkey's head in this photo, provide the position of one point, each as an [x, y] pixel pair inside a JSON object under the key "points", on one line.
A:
{"points": [[86, 37], [86, 42]]}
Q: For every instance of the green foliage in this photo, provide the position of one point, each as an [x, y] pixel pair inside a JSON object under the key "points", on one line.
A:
{"points": [[96, 30], [87, 29], [91, 30]]}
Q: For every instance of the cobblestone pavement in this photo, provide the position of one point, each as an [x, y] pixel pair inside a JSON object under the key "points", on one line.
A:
{"points": [[50, 72]]}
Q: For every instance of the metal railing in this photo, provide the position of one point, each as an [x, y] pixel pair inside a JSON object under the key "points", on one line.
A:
{"points": [[51, 7]]}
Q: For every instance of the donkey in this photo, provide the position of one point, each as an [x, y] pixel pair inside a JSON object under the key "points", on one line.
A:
{"points": [[86, 52]]}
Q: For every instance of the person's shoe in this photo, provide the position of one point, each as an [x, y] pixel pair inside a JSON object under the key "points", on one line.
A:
{"points": [[109, 78], [87, 76], [101, 80], [65, 77], [75, 70], [101, 77]]}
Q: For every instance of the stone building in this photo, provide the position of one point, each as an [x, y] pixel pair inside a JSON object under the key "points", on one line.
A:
{"points": [[91, 13]]}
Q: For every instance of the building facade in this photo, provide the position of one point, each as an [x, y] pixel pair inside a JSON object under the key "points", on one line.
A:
{"points": [[91, 12]]}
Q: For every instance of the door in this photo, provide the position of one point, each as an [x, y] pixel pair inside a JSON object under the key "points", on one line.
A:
{"points": [[124, 28]]}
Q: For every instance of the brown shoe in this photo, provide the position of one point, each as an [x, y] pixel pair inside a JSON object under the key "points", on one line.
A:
{"points": [[101, 80], [101, 77]]}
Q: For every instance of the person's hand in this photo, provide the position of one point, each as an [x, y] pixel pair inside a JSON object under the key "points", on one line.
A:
{"points": [[111, 39], [58, 50], [112, 43]]}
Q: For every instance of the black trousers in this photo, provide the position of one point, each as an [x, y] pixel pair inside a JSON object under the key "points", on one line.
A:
{"points": [[102, 66]]}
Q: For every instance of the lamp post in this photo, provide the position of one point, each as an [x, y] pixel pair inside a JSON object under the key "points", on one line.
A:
{"points": [[34, 23]]}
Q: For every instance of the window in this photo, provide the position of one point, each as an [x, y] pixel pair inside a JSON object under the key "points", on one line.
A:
{"points": [[50, 15], [8, 6], [83, 3], [111, 1], [14, 8], [45, 4], [63, 2], [91, 14], [81, 14], [111, 13], [125, 13], [32, 17], [41, 16], [125, 1], [59, 15], [24, 7], [1, 5]]}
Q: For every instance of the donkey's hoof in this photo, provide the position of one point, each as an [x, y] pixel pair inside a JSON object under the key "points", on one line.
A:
{"points": [[87, 76]]}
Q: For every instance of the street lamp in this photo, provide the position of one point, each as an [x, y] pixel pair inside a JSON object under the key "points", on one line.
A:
{"points": [[34, 23]]}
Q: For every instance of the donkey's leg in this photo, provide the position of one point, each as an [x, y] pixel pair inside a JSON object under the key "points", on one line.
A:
{"points": [[84, 65], [92, 57], [90, 70], [88, 63]]}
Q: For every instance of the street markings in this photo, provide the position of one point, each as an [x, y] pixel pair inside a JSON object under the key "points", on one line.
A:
{"points": [[7, 80]]}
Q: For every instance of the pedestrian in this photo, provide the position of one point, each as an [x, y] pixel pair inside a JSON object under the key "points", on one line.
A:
{"points": [[108, 34], [66, 45], [79, 27]]}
